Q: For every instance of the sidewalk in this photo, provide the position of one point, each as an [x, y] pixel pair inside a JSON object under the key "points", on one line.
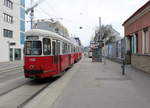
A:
{"points": [[96, 85], [10, 65]]}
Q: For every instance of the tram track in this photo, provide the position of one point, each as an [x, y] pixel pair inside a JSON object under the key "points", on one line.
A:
{"points": [[9, 73], [10, 68], [5, 78], [3, 65], [20, 95], [34, 95], [13, 88]]}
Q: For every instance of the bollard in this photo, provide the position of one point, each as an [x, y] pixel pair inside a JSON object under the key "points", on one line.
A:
{"points": [[123, 67]]}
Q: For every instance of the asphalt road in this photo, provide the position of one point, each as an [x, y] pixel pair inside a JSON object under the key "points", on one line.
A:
{"points": [[87, 85]]}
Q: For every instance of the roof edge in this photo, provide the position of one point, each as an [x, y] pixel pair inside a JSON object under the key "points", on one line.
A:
{"points": [[138, 11]]}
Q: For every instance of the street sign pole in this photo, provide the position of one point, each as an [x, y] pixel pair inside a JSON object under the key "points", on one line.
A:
{"points": [[100, 39]]}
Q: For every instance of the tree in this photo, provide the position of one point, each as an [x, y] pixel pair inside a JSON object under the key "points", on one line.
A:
{"points": [[107, 34]]}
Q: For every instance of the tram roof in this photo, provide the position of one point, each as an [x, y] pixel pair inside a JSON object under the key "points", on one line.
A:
{"points": [[45, 33]]}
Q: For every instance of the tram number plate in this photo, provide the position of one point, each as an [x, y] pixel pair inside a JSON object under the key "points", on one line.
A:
{"points": [[32, 76]]}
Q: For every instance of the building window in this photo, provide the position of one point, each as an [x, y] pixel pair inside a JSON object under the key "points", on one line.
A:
{"points": [[22, 38], [137, 43], [7, 33], [22, 13], [22, 25], [145, 41], [134, 43], [8, 3], [8, 18], [22, 3]]}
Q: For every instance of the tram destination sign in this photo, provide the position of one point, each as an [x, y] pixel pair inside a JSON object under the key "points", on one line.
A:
{"points": [[32, 37]]}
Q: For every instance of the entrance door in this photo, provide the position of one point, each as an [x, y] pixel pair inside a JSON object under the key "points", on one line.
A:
{"points": [[56, 54], [128, 49], [11, 54], [17, 53]]}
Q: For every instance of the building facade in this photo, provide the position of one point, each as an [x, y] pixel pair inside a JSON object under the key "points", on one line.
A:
{"points": [[12, 29], [137, 34], [51, 25]]}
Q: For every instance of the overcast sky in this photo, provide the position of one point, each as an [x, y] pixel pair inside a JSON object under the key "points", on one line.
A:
{"points": [[86, 13]]}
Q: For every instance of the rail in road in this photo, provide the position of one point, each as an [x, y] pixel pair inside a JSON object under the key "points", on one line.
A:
{"points": [[19, 95], [15, 90], [10, 69], [32, 96], [10, 73], [9, 64]]}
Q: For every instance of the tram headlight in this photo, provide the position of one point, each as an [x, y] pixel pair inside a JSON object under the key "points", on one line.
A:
{"points": [[31, 67]]}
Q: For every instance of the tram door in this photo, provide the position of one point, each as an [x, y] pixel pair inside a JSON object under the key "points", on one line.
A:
{"points": [[56, 54]]}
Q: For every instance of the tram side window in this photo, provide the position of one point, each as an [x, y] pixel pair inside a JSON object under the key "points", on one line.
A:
{"points": [[58, 47], [27, 48], [71, 49], [53, 48], [74, 49], [68, 49], [46, 46], [63, 48]]}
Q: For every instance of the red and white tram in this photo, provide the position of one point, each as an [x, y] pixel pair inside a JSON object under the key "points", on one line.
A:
{"points": [[48, 54]]}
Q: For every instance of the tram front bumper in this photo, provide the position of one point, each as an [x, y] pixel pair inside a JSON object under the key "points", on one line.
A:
{"points": [[31, 72]]}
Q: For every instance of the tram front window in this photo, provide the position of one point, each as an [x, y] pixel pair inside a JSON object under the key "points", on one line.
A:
{"points": [[33, 48]]}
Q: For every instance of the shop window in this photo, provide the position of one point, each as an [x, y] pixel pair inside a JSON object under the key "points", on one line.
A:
{"points": [[17, 54]]}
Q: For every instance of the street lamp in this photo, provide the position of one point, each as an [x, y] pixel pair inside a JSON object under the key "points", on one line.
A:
{"points": [[80, 27]]}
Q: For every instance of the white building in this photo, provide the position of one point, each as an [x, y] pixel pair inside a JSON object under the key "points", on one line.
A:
{"points": [[12, 29], [51, 25]]}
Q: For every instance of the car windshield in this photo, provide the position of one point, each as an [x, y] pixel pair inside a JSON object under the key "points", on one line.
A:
{"points": [[32, 48]]}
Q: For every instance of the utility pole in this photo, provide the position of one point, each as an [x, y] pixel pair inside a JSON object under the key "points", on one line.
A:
{"points": [[31, 10], [100, 39], [31, 13], [100, 35]]}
